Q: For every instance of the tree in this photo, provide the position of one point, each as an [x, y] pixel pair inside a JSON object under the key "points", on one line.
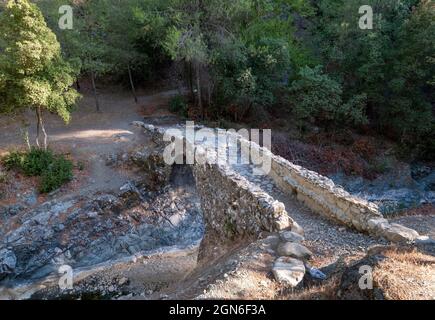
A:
{"points": [[241, 51], [188, 45], [123, 31], [33, 73], [314, 96], [87, 43], [392, 63]]}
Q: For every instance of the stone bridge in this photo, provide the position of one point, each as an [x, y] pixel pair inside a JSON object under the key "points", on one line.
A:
{"points": [[236, 203]]}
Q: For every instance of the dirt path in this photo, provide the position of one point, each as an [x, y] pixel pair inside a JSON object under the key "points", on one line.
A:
{"points": [[91, 137]]}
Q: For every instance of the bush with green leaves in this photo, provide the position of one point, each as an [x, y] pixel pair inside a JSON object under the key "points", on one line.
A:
{"points": [[178, 105], [316, 97], [56, 174], [54, 169], [249, 75], [37, 161]]}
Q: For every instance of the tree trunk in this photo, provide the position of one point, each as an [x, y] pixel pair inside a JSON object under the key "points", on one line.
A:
{"points": [[133, 90], [25, 135], [94, 88], [78, 85], [38, 129], [41, 128], [25, 132], [198, 87], [192, 93], [209, 94]]}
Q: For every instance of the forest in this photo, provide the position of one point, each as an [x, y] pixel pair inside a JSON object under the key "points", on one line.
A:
{"points": [[304, 62]]}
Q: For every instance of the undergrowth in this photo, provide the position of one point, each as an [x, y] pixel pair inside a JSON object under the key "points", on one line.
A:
{"points": [[54, 169]]}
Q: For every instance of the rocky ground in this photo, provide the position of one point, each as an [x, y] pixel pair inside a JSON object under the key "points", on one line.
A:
{"points": [[84, 231], [109, 212], [250, 271], [399, 189]]}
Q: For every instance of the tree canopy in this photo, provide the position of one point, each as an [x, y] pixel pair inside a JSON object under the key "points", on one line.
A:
{"points": [[33, 73], [305, 60]]}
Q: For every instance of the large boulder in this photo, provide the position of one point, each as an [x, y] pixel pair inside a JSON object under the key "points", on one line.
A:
{"points": [[398, 233], [291, 236], [295, 250], [288, 271]]}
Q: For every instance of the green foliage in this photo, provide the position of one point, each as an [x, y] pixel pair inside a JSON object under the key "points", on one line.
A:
{"points": [[250, 75], [14, 160], [243, 52], [247, 55], [36, 162], [393, 64], [32, 70], [178, 105], [54, 170], [317, 97], [56, 174]]}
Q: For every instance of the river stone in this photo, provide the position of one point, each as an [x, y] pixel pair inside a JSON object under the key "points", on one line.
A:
{"points": [[377, 226], [424, 240], [293, 249], [8, 262], [291, 236], [398, 233], [288, 270]]}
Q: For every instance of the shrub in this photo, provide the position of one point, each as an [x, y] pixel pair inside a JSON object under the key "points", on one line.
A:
{"points": [[58, 172], [54, 170], [178, 105], [36, 162], [14, 160], [316, 97]]}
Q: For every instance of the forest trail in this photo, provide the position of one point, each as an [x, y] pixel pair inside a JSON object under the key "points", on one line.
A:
{"points": [[91, 137]]}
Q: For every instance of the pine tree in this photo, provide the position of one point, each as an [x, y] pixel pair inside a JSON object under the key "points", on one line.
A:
{"points": [[33, 73]]}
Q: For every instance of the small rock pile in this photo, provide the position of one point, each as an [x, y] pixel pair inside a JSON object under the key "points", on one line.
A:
{"points": [[289, 268]]}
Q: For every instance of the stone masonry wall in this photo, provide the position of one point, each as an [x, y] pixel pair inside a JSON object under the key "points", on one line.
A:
{"points": [[232, 206], [322, 196]]}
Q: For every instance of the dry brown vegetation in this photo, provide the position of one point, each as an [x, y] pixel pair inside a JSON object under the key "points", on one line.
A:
{"points": [[406, 275]]}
